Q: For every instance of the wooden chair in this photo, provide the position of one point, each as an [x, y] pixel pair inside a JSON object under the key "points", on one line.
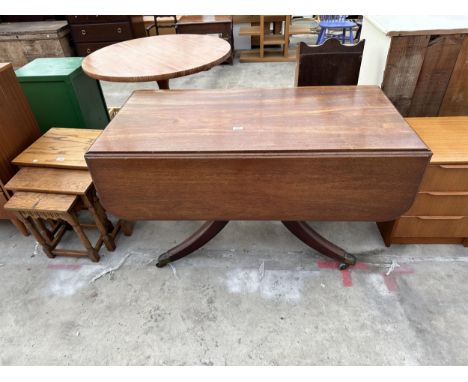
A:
{"points": [[162, 21], [335, 22], [331, 63]]}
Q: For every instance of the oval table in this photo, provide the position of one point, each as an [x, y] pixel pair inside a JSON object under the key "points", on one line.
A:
{"points": [[157, 58]]}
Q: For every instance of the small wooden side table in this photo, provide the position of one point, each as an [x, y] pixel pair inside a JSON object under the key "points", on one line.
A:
{"points": [[53, 185], [208, 25], [58, 150]]}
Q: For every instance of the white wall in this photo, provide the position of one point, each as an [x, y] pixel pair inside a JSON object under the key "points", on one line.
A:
{"points": [[241, 42], [374, 58]]}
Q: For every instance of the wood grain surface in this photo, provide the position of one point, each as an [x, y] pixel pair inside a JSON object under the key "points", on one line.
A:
{"points": [[404, 62], [22, 201], [456, 98], [60, 148], [204, 19], [446, 136], [373, 187], [324, 153], [18, 126], [51, 180], [319, 119], [156, 58], [330, 63], [430, 226], [439, 61]]}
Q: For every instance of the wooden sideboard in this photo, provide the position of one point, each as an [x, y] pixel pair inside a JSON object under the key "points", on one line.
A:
{"points": [[421, 62], [90, 33], [439, 213], [18, 129]]}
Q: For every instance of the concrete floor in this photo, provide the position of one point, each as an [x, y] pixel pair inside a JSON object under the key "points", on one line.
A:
{"points": [[254, 295]]}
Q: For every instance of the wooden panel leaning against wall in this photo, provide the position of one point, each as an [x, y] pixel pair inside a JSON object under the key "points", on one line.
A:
{"points": [[18, 129], [427, 76]]}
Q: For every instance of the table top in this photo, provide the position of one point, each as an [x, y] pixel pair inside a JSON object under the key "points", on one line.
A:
{"points": [[32, 27], [59, 148], [305, 119], [50, 180], [447, 137], [156, 58], [398, 25], [204, 19]]}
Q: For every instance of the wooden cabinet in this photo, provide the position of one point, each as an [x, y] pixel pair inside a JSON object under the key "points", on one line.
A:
{"points": [[420, 62], [439, 213], [90, 33], [22, 42], [18, 129]]}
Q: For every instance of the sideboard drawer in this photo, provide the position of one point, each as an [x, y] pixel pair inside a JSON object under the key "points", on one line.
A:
{"points": [[423, 226], [445, 178], [439, 204], [85, 48], [101, 32], [82, 19]]}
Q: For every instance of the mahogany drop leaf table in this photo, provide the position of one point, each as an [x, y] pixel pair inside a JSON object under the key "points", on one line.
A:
{"points": [[296, 154]]}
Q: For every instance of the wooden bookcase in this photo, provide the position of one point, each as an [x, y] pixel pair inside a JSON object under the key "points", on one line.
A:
{"points": [[267, 41]]}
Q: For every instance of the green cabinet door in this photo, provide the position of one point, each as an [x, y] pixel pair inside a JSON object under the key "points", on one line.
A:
{"points": [[62, 95]]}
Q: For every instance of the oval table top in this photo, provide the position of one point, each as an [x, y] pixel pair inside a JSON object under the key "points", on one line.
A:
{"points": [[156, 58]]}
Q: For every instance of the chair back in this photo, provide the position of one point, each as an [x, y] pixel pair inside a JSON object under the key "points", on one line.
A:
{"points": [[331, 63], [333, 18]]}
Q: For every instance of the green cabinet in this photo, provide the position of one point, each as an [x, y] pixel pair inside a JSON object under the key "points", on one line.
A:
{"points": [[62, 95]]}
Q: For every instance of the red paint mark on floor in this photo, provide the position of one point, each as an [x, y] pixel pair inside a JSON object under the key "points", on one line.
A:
{"points": [[72, 267], [390, 280], [391, 283], [346, 273], [403, 270], [327, 264], [346, 276], [323, 264]]}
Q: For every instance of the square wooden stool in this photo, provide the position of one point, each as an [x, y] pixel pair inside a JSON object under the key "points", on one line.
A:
{"points": [[78, 185], [59, 148], [48, 216]]}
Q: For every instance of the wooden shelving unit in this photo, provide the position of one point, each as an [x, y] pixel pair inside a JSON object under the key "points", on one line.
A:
{"points": [[267, 39]]}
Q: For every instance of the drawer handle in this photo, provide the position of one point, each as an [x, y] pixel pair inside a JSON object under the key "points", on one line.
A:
{"points": [[447, 166], [119, 30], [440, 217], [83, 32], [88, 50]]}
